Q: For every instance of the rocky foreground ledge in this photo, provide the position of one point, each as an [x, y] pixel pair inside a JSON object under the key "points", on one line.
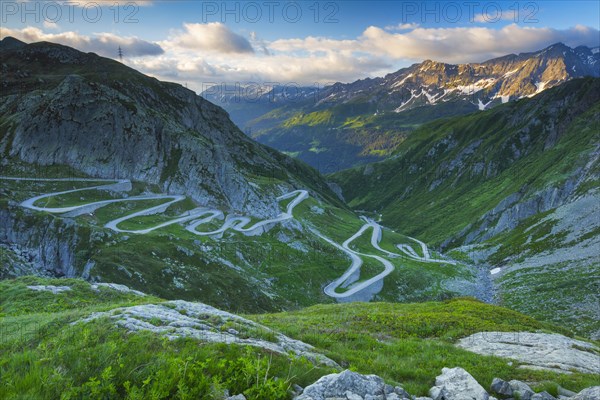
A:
{"points": [[452, 384], [184, 319], [545, 351], [179, 319]]}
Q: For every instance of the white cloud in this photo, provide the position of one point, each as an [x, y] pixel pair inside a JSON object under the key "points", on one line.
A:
{"points": [[402, 27], [259, 43], [459, 45], [203, 54], [454, 45], [214, 37], [51, 25], [200, 72], [105, 44], [199, 54], [312, 44]]}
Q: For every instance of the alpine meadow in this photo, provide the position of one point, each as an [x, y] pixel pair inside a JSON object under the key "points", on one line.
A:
{"points": [[328, 200]]}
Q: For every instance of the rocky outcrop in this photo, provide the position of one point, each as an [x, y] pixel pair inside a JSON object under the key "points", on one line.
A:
{"points": [[118, 288], [179, 319], [502, 387], [46, 244], [521, 390], [552, 352], [50, 288], [95, 286], [452, 384], [236, 397]]}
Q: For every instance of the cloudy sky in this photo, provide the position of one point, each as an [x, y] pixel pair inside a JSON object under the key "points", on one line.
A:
{"points": [[201, 43]]}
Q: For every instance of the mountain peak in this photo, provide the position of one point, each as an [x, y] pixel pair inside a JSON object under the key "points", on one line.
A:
{"points": [[557, 45], [10, 42], [557, 49]]}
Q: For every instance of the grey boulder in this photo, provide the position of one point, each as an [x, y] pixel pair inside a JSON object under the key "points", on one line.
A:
{"points": [[542, 396], [521, 390], [345, 385], [502, 387], [457, 384]]}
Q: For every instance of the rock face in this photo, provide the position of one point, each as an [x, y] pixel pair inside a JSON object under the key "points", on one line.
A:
{"points": [[514, 209], [537, 350], [176, 319], [107, 120], [457, 384], [46, 245]]}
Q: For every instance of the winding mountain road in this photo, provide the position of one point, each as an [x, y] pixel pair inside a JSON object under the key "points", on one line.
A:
{"points": [[203, 215], [237, 223], [353, 272]]}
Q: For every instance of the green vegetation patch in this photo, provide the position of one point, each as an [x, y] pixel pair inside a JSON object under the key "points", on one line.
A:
{"points": [[563, 293], [409, 344], [17, 299], [95, 360]]}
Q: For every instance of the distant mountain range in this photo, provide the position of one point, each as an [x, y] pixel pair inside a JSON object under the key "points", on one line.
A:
{"points": [[347, 124]]}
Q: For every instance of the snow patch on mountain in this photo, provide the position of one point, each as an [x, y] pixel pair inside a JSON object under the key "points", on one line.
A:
{"points": [[503, 98], [540, 86], [401, 82], [431, 98], [481, 105]]}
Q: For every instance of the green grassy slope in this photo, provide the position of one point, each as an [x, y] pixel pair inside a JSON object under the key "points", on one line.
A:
{"points": [[43, 355], [410, 343]]}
